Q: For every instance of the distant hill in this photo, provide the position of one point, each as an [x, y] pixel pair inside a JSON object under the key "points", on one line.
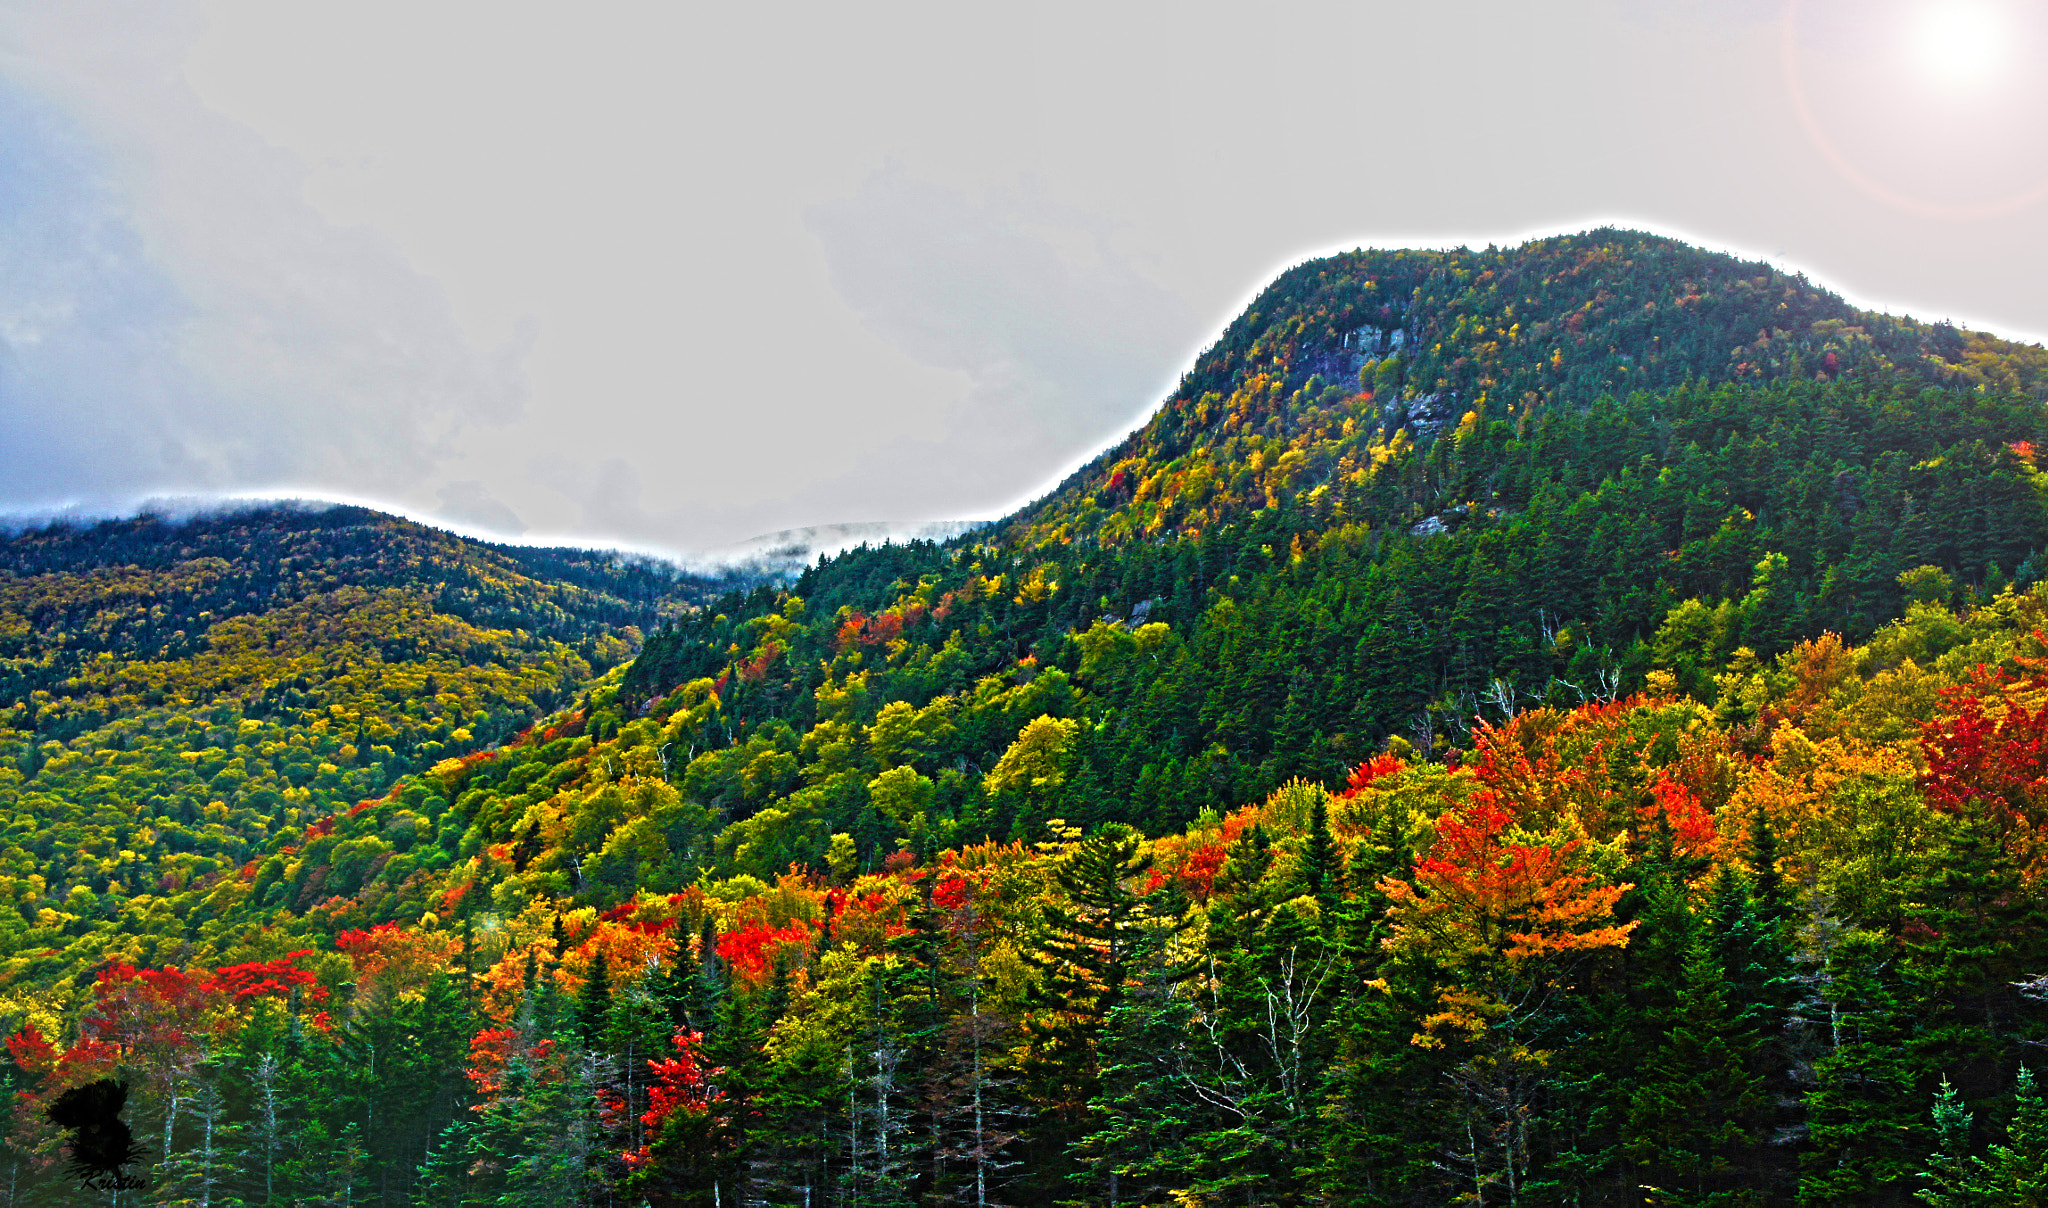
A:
{"points": [[790, 552], [258, 664]]}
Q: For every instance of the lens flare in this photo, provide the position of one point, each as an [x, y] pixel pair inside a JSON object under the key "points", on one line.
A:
{"points": [[1877, 83], [1959, 45]]}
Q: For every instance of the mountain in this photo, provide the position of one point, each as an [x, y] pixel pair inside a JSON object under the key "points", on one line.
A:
{"points": [[1401, 482], [1555, 724], [173, 692], [1341, 350]]}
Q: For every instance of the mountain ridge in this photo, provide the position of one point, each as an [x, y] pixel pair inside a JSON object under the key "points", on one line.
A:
{"points": [[1415, 297], [1385, 791]]}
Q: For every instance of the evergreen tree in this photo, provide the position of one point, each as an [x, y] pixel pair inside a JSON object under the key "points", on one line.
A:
{"points": [[1321, 866], [1974, 930], [1098, 934], [444, 1177], [1696, 1101], [594, 1003], [1146, 1108], [1863, 1141], [2017, 1172], [1767, 885], [1752, 954], [2012, 1175]]}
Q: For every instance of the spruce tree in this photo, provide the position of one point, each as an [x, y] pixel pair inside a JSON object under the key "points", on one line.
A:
{"points": [[594, 1003], [1863, 1139], [1950, 1169], [1767, 885], [1146, 1108], [1976, 930], [2017, 1172], [1099, 932], [1696, 1102], [1321, 866], [1753, 955], [2011, 1175]]}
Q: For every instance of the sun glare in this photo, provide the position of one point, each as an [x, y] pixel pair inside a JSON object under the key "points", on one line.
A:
{"points": [[1959, 45]]}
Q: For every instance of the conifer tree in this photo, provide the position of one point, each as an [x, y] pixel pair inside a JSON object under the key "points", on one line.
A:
{"points": [[594, 1003], [1696, 1099], [1950, 1169], [1753, 956], [1321, 865], [1976, 927], [1863, 1140], [444, 1176], [2016, 1172], [1767, 885], [1147, 1107], [2011, 1175], [1098, 934]]}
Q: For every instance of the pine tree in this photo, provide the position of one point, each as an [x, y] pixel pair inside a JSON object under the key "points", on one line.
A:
{"points": [[1095, 937], [688, 989], [637, 1030], [1950, 1167], [594, 1003], [2012, 1175], [1098, 934], [803, 1116], [1696, 1099]]}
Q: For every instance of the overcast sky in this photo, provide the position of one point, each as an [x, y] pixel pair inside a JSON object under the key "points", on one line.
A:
{"points": [[672, 275]]}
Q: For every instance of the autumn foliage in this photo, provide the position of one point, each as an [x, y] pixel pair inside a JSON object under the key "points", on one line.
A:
{"points": [[683, 1085], [1987, 756]]}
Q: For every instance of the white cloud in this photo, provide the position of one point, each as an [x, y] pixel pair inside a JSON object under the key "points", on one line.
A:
{"points": [[672, 275], [178, 318], [470, 504], [1063, 343]]}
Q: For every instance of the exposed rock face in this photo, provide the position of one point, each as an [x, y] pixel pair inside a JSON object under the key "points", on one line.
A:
{"points": [[1430, 414], [1354, 350]]}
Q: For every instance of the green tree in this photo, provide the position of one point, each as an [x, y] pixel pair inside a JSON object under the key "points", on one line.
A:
{"points": [[1697, 1100]]}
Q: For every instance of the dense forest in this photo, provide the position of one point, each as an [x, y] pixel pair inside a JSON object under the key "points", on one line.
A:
{"points": [[175, 694], [1564, 724]]}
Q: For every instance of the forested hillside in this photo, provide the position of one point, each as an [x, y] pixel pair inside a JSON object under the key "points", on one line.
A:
{"points": [[1550, 725], [175, 693]]}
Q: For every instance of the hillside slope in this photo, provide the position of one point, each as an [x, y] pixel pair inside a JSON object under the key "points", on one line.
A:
{"points": [[1337, 562], [175, 693], [1363, 784]]}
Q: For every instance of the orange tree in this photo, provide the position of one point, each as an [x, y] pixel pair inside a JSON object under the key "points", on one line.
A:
{"points": [[1486, 926]]}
